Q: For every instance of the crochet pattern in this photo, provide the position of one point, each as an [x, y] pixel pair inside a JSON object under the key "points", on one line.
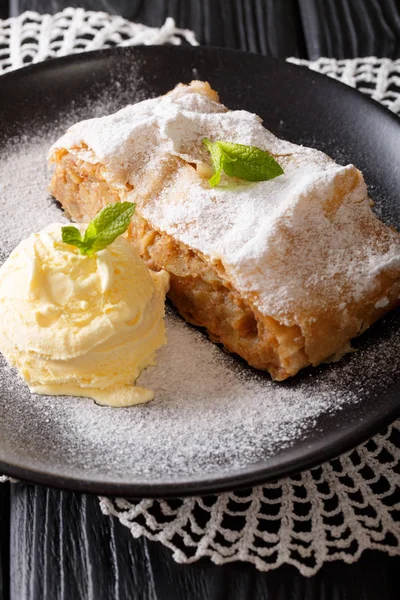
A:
{"points": [[31, 37], [376, 77], [329, 513], [332, 512]]}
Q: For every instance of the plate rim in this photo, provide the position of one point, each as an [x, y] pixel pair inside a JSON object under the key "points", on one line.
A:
{"points": [[255, 473], [179, 487]]}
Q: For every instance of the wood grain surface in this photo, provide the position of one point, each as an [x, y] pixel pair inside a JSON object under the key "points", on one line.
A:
{"points": [[62, 547], [279, 28], [351, 28], [4, 540], [271, 27], [57, 545], [4, 9]]}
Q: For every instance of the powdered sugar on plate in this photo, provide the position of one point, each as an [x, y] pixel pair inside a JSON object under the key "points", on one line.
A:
{"points": [[211, 413]]}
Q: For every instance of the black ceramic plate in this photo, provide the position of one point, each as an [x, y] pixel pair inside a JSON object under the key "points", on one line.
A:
{"points": [[52, 441]]}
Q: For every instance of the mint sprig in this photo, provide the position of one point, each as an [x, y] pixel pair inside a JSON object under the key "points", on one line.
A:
{"points": [[111, 222], [244, 162]]}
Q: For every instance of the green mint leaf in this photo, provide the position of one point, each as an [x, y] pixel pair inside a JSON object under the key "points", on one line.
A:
{"points": [[216, 178], [244, 162], [218, 158], [215, 152], [72, 236], [111, 222], [250, 163]]}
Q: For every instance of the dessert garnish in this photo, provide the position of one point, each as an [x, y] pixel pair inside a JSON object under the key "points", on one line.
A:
{"points": [[244, 162], [112, 221], [284, 272], [82, 317]]}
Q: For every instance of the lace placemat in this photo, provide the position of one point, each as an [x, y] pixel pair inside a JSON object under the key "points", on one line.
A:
{"points": [[332, 512], [32, 37]]}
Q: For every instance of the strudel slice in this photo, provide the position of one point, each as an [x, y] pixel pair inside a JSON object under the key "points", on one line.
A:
{"points": [[282, 272]]}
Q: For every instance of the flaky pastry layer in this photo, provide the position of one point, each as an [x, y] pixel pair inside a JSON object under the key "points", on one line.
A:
{"points": [[203, 288]]}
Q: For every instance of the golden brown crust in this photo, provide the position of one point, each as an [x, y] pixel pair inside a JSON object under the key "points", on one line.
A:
{"points": [[200, 290], [198, 87]]}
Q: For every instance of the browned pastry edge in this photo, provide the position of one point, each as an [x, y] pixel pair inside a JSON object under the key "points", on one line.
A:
{"points": [[200, 290], [204, 294]]}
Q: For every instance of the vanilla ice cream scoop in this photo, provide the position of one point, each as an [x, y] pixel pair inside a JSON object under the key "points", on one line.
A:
{"points": [[81, 325]]}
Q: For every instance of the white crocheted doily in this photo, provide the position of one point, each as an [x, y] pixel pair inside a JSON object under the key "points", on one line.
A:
{"points": [[31, 37], [333, 512]]}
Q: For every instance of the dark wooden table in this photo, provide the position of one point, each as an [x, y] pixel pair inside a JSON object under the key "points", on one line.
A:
{"points": [[57, 545]]}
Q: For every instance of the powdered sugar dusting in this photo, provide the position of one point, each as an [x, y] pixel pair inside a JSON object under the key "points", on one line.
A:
{"points": [[309, 229], [211, 412]]}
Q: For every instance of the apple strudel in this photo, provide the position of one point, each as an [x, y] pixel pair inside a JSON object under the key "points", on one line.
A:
{"points": [[283, 272]]}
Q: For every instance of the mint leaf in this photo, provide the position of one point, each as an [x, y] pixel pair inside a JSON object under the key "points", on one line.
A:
{"points": [[111, 222], [216, 178], [241, 161], [219, 159], [72, 236], [216, 159]]}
